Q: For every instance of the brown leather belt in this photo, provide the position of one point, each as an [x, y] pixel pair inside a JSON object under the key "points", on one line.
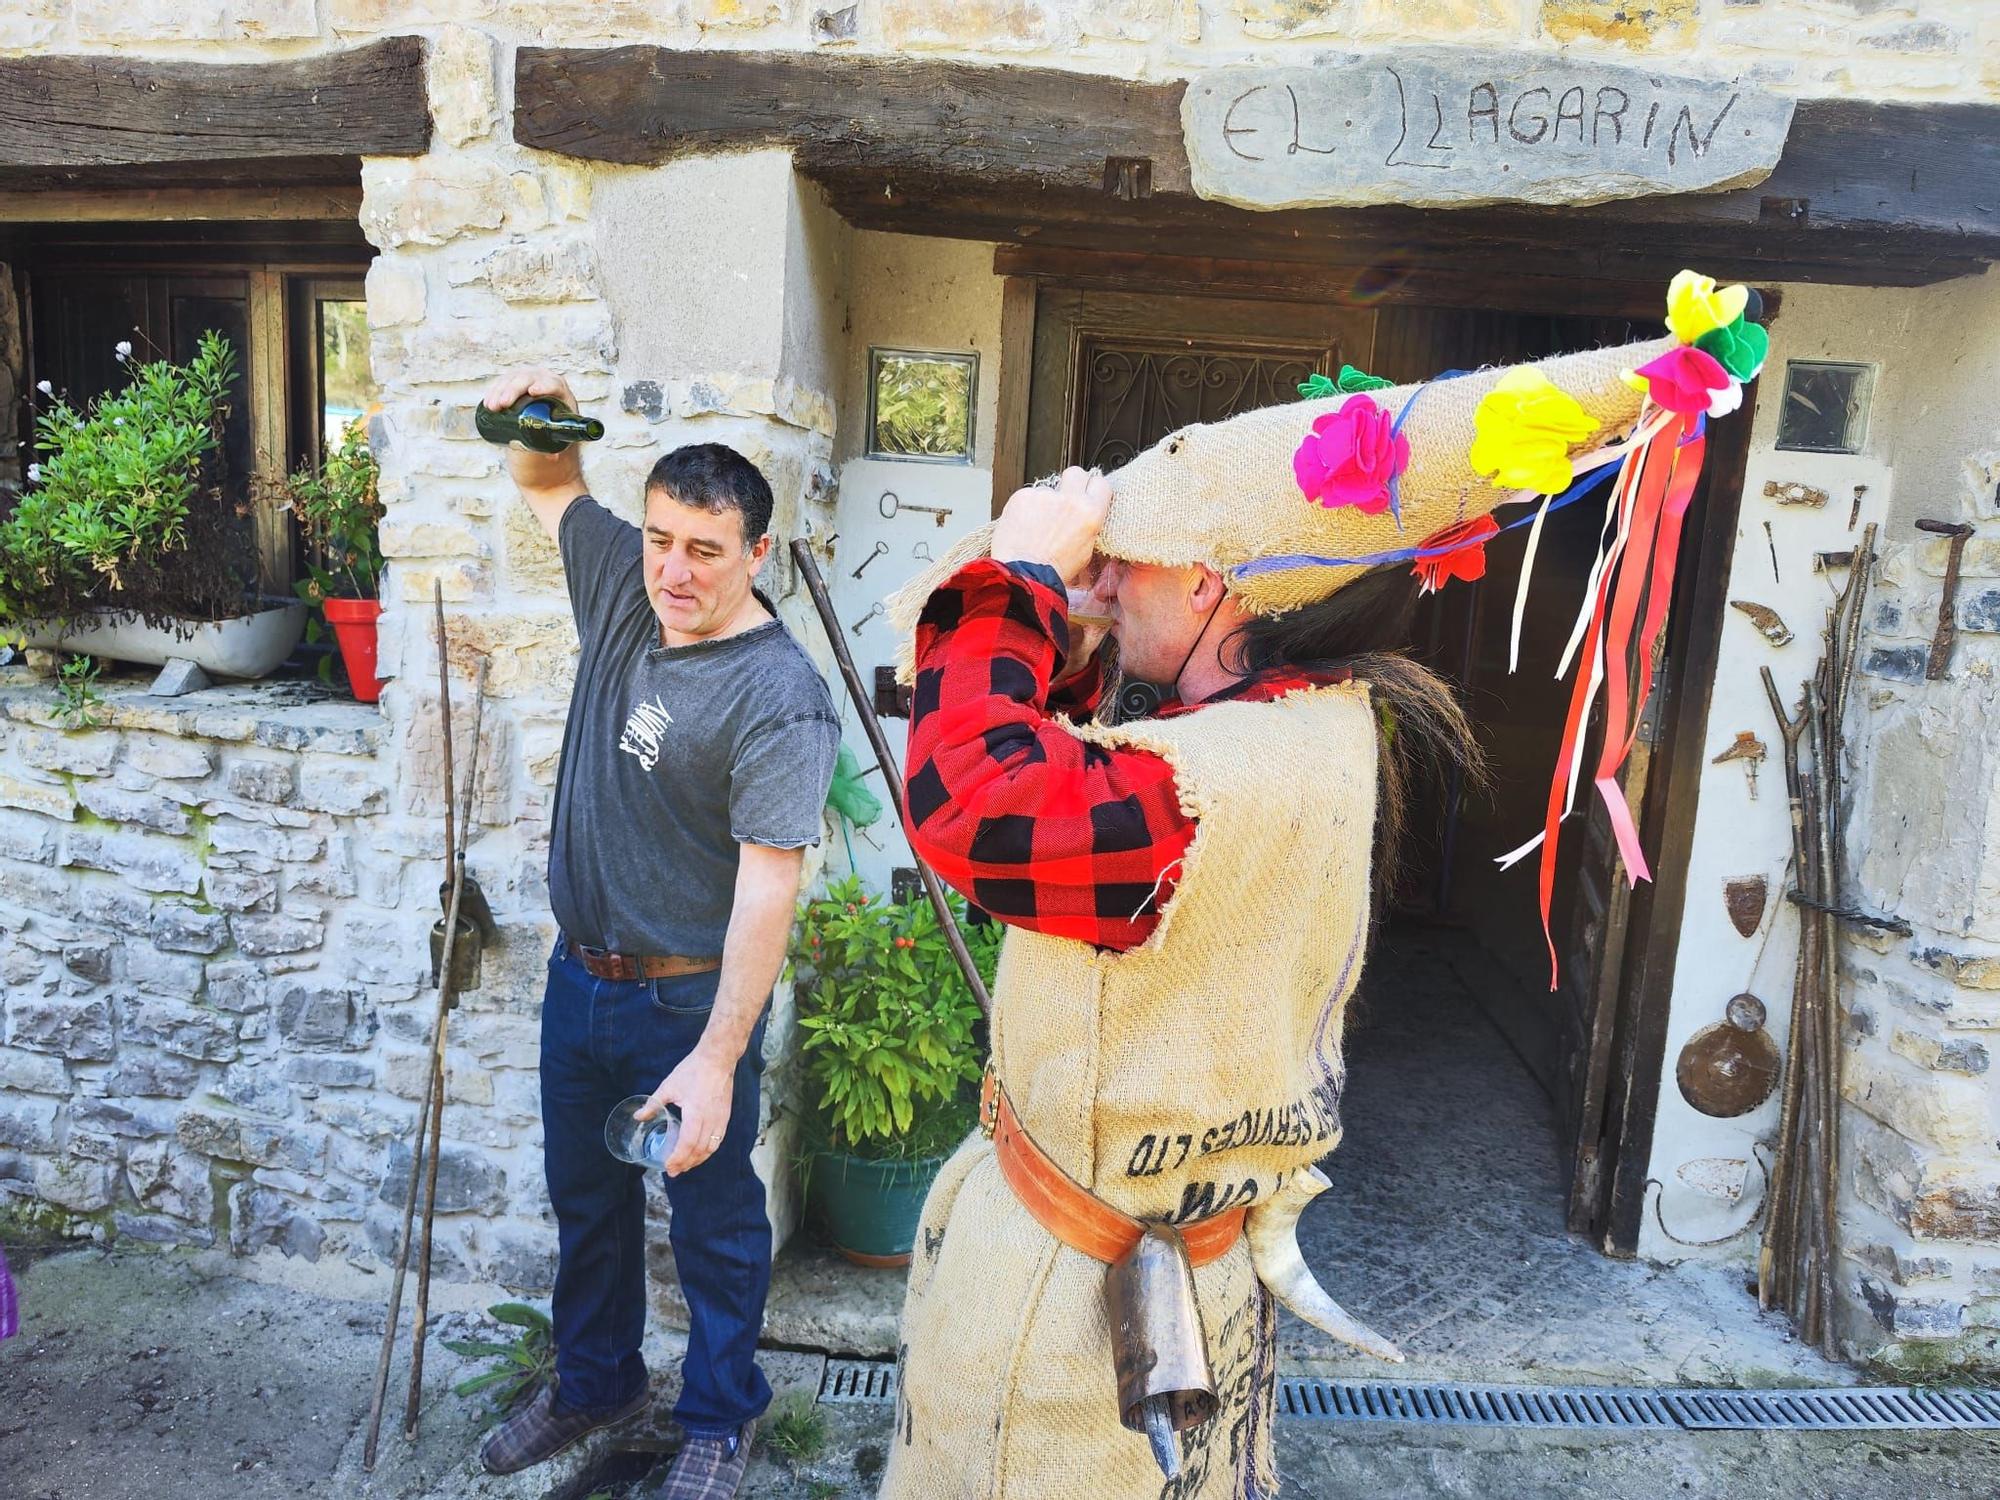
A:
{"points": [[1068, 1210], [629, 966]]}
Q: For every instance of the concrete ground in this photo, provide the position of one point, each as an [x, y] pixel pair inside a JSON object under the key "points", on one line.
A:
{"points": [[142, 1376]]}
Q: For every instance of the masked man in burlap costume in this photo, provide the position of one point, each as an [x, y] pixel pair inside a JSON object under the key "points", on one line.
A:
{"points": [[1189, 894]]}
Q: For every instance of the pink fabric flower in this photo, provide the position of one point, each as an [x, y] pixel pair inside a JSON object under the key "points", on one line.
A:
{"points": [[1350, 456], [1684, 379]]}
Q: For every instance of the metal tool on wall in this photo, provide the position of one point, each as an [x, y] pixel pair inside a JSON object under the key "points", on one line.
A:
{"points": [[857, 690], [430, 1114]]}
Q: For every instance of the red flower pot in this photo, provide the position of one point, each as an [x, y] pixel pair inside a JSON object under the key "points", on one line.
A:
{"points": [[353, 622]]}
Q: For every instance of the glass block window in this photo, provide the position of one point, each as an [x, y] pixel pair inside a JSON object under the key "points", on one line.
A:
{"points": [[1826, 406], [920, 405]]}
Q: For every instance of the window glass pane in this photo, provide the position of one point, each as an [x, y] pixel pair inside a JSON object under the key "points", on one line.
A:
{"points": [[1826, 406], [346, 386], [920, 405]]}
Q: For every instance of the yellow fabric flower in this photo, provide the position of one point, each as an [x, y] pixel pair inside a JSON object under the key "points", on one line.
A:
{"points": [[1695, 305], [1524, 428]]}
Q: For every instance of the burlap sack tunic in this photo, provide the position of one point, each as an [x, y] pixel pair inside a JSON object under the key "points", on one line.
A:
{"points": [[1174, 1081]]}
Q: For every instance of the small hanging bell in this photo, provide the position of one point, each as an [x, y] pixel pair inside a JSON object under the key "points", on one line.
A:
{"points": [[1158, 1346]]}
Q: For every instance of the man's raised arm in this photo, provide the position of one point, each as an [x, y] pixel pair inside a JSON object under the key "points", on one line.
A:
{"points": [[547, 481]]}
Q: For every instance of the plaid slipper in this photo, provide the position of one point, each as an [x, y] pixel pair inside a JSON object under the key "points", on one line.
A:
{"points": [[707, 1468], [545, 1427]]}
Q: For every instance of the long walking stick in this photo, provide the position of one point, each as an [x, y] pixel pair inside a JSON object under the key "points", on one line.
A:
{"points": [[432, 1085], [856, 690], [447, 986]]}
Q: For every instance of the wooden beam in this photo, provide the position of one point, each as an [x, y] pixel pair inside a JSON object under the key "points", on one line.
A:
{"points": [[68, 114], [1297, 281], [1899, 194], [646, 105], [1393, 244], [181, 205], [1017, 363]]}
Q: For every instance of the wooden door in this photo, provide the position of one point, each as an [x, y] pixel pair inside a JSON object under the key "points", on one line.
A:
{"points": [[1114, 372]]}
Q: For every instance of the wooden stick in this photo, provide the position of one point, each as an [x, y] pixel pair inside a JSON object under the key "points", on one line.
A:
{"points": [[447, 986], [857, 690], [432, 1085]]}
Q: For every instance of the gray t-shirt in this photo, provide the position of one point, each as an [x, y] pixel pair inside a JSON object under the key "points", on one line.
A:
{"points": [[672, 756]]}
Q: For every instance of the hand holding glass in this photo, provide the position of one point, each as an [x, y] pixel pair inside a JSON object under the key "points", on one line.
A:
{"points": [[644, 1143]]}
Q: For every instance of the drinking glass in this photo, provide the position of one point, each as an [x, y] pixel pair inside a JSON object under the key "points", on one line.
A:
{"points": [[644, 1143]]}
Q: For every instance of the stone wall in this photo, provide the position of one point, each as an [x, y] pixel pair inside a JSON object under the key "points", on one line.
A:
{"points": [[217, 1010], [1922, 1196], [1928, 49]]}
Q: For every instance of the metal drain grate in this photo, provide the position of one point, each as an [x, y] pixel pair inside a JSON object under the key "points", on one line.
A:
{"points": [[1603, 1407], [1609, 1408], [1879, 1409], [1471, 1405], [861, 1381]]}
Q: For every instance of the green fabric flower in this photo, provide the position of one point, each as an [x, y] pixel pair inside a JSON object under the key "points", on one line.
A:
{"points": [[1739, 348], [1317, 387]]}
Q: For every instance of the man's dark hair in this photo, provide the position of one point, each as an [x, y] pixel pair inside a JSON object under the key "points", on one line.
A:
{"points": [[715, 477]]}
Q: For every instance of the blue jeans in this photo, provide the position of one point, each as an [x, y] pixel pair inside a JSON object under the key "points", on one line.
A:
{"points": [[602, 1040]]}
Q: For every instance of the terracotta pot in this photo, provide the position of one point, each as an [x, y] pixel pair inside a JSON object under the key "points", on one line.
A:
{"points": [[353, 622]]}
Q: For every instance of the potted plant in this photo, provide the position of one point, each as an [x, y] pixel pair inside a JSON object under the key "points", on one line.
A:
{"points": [[890, 1054], [338, 506], [124, 544]]}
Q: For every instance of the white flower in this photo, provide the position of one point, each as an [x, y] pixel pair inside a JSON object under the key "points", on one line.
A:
{"points": [[45, 388], [117, 421], [34, 473], [123, 349]]}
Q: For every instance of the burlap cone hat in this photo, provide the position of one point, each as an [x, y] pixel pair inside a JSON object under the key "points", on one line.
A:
{"points": [[1292, 501]]}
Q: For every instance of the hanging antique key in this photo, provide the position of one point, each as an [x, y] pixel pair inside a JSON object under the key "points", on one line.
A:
{"points": [[890, 504], [880, 548]]}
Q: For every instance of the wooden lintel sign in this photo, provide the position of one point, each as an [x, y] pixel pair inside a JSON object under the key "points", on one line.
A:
{"points": [[1439, 127], [1009, 135], [70, 112]]}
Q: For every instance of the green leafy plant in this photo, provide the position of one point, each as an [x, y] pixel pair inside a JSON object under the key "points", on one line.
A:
{"points": [[796, 1429], [117, 491], [889, 1022], [78, 704], [822, 1489], [521, 1367], [338, 507]]}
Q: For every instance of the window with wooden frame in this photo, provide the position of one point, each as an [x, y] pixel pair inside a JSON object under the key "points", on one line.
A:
{"points": [[289, 297]]}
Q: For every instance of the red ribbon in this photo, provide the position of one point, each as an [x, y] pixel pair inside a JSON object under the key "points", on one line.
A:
{"points": [[1658, 482]]}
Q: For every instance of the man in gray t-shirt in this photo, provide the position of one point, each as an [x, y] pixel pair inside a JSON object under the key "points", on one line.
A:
{"points": [[695, 763]]}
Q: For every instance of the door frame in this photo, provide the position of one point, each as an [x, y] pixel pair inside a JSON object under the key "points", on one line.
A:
{"points": [[1629, 1028]]}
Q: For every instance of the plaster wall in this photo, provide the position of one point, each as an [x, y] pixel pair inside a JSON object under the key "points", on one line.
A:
{"points": [[937, 296]]}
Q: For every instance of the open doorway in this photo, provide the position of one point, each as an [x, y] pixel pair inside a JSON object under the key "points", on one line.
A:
{"points": [[1114, 371]]}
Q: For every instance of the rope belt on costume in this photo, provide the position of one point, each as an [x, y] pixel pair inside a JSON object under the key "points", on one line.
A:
{"points": [[1068, 1210]]}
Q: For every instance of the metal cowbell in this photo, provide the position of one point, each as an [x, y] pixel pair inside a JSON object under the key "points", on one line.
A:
{"points": [[1159, 1348]]}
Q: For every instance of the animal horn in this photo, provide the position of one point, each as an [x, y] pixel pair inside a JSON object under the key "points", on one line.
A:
{"points": [[1273, 1230]]}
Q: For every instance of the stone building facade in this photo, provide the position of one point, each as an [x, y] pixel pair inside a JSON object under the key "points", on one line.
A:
{"points": [[213, 910]]}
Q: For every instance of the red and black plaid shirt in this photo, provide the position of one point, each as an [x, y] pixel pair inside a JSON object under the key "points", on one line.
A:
{"points": [[1034, 825]]}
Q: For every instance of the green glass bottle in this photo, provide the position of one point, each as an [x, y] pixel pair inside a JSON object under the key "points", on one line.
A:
{"points": [[538, 423]]}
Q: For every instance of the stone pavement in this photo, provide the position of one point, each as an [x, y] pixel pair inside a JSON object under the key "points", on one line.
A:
{"points": [[1444, 1227]]}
